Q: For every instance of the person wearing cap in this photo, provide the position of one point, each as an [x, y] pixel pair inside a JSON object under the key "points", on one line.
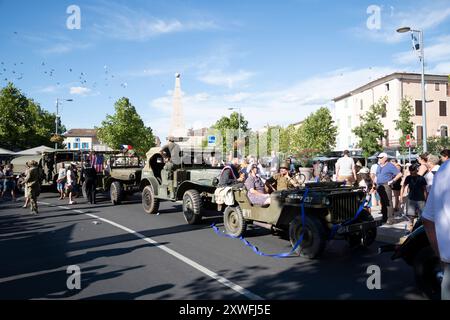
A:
{"points": [[414, 189], [256, 190], [172, 156], [436, 221], [32, 183], [387, 174], [282, 178], [345, 169]]}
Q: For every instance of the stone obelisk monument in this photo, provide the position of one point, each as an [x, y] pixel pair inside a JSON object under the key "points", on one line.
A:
{"points": [[177, 128]]}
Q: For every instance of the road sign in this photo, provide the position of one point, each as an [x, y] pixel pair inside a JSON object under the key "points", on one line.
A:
{"points": [[211, 141], [408, 140]]}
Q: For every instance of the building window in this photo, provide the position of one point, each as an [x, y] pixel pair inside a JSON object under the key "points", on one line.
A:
{"points": [[436, 86], [419, 134], [85, 145], [418, 108], [68, 145], [386, 137], [76, 145], [384, 111], [387, 86], [443, 108], [361, 103], [349, 121], [444, 131]]}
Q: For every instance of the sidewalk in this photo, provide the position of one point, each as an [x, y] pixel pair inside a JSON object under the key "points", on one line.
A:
{"points": [[389, 233]]}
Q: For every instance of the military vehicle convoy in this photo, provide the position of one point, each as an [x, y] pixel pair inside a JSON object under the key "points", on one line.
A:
{"points": [[49, 162], [330, 210], [120, 178], [192, 183]]}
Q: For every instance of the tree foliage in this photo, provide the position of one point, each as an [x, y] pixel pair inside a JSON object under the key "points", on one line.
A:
{"points": [[126, 127], [435, 145], [23, 123], [404, 123], [371, 130]]}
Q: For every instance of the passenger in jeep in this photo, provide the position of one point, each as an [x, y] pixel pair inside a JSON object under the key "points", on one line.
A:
{"points": [[256, 188], [229, 174]]}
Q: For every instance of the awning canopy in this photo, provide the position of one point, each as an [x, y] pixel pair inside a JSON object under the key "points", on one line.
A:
{"points": [[34, 151]]}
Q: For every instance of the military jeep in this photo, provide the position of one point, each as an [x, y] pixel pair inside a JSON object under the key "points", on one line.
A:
{"points": [[192, 183], [329, 214], [121, 178]]}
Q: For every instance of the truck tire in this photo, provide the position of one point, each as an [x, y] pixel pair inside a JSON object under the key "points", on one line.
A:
{"points": [[426, 265], [314, 239], [192, 207], [83, 190], [149, 202], [116, 193], [234, 221]]}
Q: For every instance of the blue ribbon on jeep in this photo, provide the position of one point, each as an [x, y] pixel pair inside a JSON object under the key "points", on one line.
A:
{"points": [[336, 227], [260, 253]]}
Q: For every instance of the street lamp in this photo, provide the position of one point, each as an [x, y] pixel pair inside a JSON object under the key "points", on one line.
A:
{"points": [[422, 59], [57, 117]]}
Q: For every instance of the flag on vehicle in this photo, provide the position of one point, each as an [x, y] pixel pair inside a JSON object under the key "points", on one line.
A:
{"points": [[127, 146], [97, 162]]}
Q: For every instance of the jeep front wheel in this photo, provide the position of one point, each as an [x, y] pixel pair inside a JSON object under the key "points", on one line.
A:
{"points": [[116, 193], [234, 221], [314, 239], [149, 202], [192, 207]]}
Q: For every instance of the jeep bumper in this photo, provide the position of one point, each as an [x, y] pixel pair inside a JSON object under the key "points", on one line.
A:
{"points": [[359, 227]]}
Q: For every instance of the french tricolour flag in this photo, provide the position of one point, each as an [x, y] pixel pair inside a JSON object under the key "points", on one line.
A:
{"points": [[127, 146]]}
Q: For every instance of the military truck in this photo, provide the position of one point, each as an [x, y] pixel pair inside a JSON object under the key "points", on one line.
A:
{"points": [[49, 162], [193, 182], [120, 178], [329, 214]]}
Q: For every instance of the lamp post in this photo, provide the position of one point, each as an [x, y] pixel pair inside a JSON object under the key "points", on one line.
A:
{"points": [[57, 117], [422, 59]]}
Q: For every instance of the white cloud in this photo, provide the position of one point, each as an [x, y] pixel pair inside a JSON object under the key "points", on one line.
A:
{"points": [[282, 107], [122, 22], [220, 78], [436, 52], [428, 17], [82, 91]]}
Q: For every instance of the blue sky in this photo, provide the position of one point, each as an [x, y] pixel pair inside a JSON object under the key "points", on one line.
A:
{"points": [[277, 60]]}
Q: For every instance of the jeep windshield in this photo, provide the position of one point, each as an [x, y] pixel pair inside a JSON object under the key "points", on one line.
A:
{"points": [[125, 162]]}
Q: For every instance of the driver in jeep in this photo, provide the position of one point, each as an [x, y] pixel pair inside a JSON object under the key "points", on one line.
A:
{"points": [[171, 153]]}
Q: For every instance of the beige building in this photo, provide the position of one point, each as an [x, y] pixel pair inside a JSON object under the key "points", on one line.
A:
{"points": [[396, 86]]}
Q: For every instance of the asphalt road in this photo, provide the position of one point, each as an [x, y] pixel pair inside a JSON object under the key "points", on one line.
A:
{"points": [[124, 253]]}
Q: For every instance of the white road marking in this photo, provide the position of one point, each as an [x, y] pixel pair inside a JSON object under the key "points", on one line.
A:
{"points": [[177, 255]]}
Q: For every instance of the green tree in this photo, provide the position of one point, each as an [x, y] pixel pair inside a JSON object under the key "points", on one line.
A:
{"points": [[371, 130], [435, 145], [225, 124], [23, 123], [404, 123], [126, 127], [318, 131]]}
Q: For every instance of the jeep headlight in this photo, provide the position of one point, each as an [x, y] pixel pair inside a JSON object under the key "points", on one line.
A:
{"points": [[131, 176], [326, 201]]}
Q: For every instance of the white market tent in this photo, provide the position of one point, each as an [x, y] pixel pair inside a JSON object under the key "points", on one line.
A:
{"points": [[34, 151], [5, 152]]}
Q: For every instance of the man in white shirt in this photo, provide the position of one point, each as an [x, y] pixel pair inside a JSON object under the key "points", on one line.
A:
{"points": [[345, 169], [433, 167], [436, 220]]}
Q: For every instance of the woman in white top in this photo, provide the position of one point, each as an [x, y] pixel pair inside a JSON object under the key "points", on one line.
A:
{"points": [[70, 183]]}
